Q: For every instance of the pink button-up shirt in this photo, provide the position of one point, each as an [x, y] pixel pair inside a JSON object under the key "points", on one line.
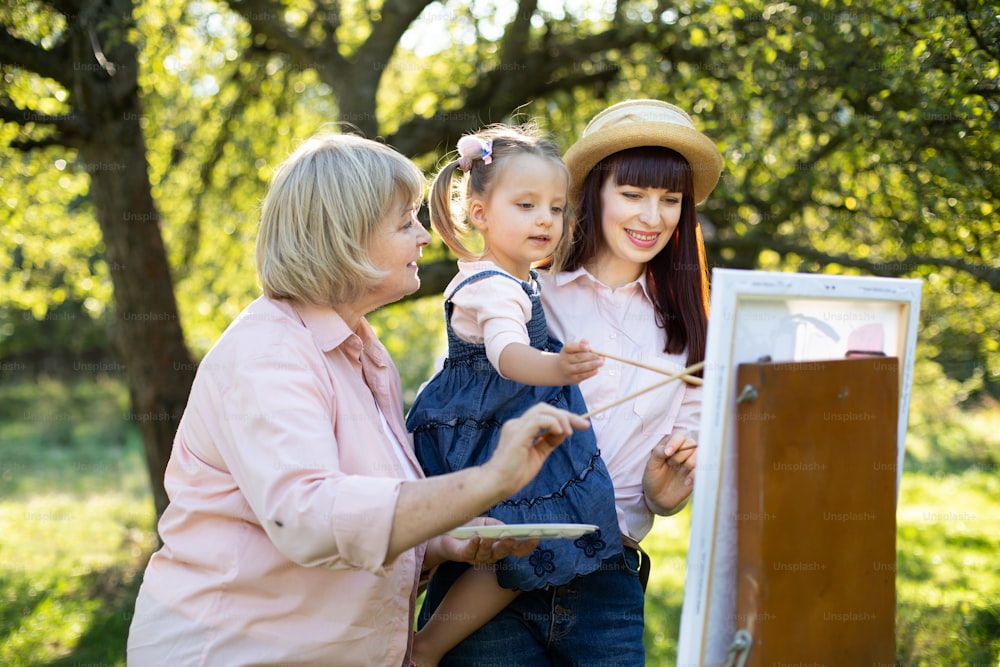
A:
{"points": [[283, 484], [622, 322]]}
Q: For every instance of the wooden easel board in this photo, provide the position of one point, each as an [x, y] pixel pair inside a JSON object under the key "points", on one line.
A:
{"points": [[785, 318], [816, 520]]}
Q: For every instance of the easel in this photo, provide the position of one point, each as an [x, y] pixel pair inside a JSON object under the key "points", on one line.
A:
{"points": [[816, 517]]}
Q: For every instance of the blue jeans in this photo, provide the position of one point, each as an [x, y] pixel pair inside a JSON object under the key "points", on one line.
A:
{"points": [[596, 619]]}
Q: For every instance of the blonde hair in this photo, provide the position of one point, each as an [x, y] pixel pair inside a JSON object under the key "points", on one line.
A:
{"points": [[318, 217], [449, 202]]}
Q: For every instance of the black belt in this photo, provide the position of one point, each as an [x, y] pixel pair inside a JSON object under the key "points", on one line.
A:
{"points": [[644, 563]]}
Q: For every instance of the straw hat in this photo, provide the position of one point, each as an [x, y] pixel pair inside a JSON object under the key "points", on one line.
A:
{"points": [[635, 123]]}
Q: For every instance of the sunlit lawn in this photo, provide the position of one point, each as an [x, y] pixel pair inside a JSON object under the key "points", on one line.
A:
{"points": [[76, 516]]}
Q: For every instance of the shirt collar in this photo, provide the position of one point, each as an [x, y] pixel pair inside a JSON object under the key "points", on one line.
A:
{"points": [[330, 331], [582, 274]]}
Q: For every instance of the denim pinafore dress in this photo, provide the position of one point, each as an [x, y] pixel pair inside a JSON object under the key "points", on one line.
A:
{"points": [[456, 422]]}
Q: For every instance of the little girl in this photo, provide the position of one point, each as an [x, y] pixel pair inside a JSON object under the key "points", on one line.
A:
{"points": [[500, 361]]}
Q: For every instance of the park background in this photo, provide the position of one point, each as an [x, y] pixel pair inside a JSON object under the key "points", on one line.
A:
{"points": [[138, 138]]}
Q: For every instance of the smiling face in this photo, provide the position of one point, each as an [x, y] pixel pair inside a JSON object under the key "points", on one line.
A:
{"points": [[394, 250], [636, 224], [521, 218]]}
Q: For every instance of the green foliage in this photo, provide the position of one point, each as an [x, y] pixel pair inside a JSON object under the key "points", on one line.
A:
{"points": [[55, 432], [70, 604], [48, 232], [943, 439], [947, 585], [857, 139], [217, 118]]}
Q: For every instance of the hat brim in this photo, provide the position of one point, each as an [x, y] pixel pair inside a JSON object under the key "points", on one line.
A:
{"points": [[700, 152]]}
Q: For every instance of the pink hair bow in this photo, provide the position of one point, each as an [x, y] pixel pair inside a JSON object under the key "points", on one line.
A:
{"points": [[469, 148]]}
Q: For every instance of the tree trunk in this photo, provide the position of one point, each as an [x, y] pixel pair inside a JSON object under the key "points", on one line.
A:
{"points": [[147, 328]]}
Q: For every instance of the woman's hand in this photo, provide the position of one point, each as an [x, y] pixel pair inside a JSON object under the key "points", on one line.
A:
{"points": [[477, 550], [669, 474], [525, 443], [426, 508]]}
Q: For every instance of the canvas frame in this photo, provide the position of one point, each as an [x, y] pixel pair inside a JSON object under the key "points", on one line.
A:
{"points": [[746, 325]]}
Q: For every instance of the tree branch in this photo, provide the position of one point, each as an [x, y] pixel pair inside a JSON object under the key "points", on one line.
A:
{"points": [[518, 32], [245, 91], [990, 48], [70, 123], [68, 8], [423, 134], [53, 63], [42, 142], [70, 128], [397, 16], [502, 89], [331, 17], [265, 18]]}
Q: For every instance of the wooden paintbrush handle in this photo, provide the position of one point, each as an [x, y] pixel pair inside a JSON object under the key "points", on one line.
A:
{"points": [[674, 376], [689, 379]]}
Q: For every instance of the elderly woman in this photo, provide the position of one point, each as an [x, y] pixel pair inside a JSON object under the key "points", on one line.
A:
{"points": [[299, 523]]}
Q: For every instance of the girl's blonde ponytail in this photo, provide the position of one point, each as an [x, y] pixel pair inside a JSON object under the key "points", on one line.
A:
{"points": [[443, 218]]}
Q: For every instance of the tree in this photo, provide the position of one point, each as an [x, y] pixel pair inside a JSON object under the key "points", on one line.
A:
{"points": [[81, 52], [835, 117], [867, 143]]}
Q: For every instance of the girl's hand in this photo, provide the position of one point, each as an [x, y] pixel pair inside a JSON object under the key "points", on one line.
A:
{"points": [[577, 362], [669, 474]]}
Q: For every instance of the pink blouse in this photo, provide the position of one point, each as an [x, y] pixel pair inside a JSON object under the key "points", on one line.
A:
{"points": [[283, 484], [622, 322]]}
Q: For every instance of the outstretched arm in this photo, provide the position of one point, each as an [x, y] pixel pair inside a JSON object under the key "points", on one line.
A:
{"points": [[495, 313], [527, 365]]}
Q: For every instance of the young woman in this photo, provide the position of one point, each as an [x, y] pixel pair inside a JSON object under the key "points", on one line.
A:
{"points": [[635, 282]]}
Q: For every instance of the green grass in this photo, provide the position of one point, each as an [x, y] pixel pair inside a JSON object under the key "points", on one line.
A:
{"points": [[76, 525], [75, 518]]}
